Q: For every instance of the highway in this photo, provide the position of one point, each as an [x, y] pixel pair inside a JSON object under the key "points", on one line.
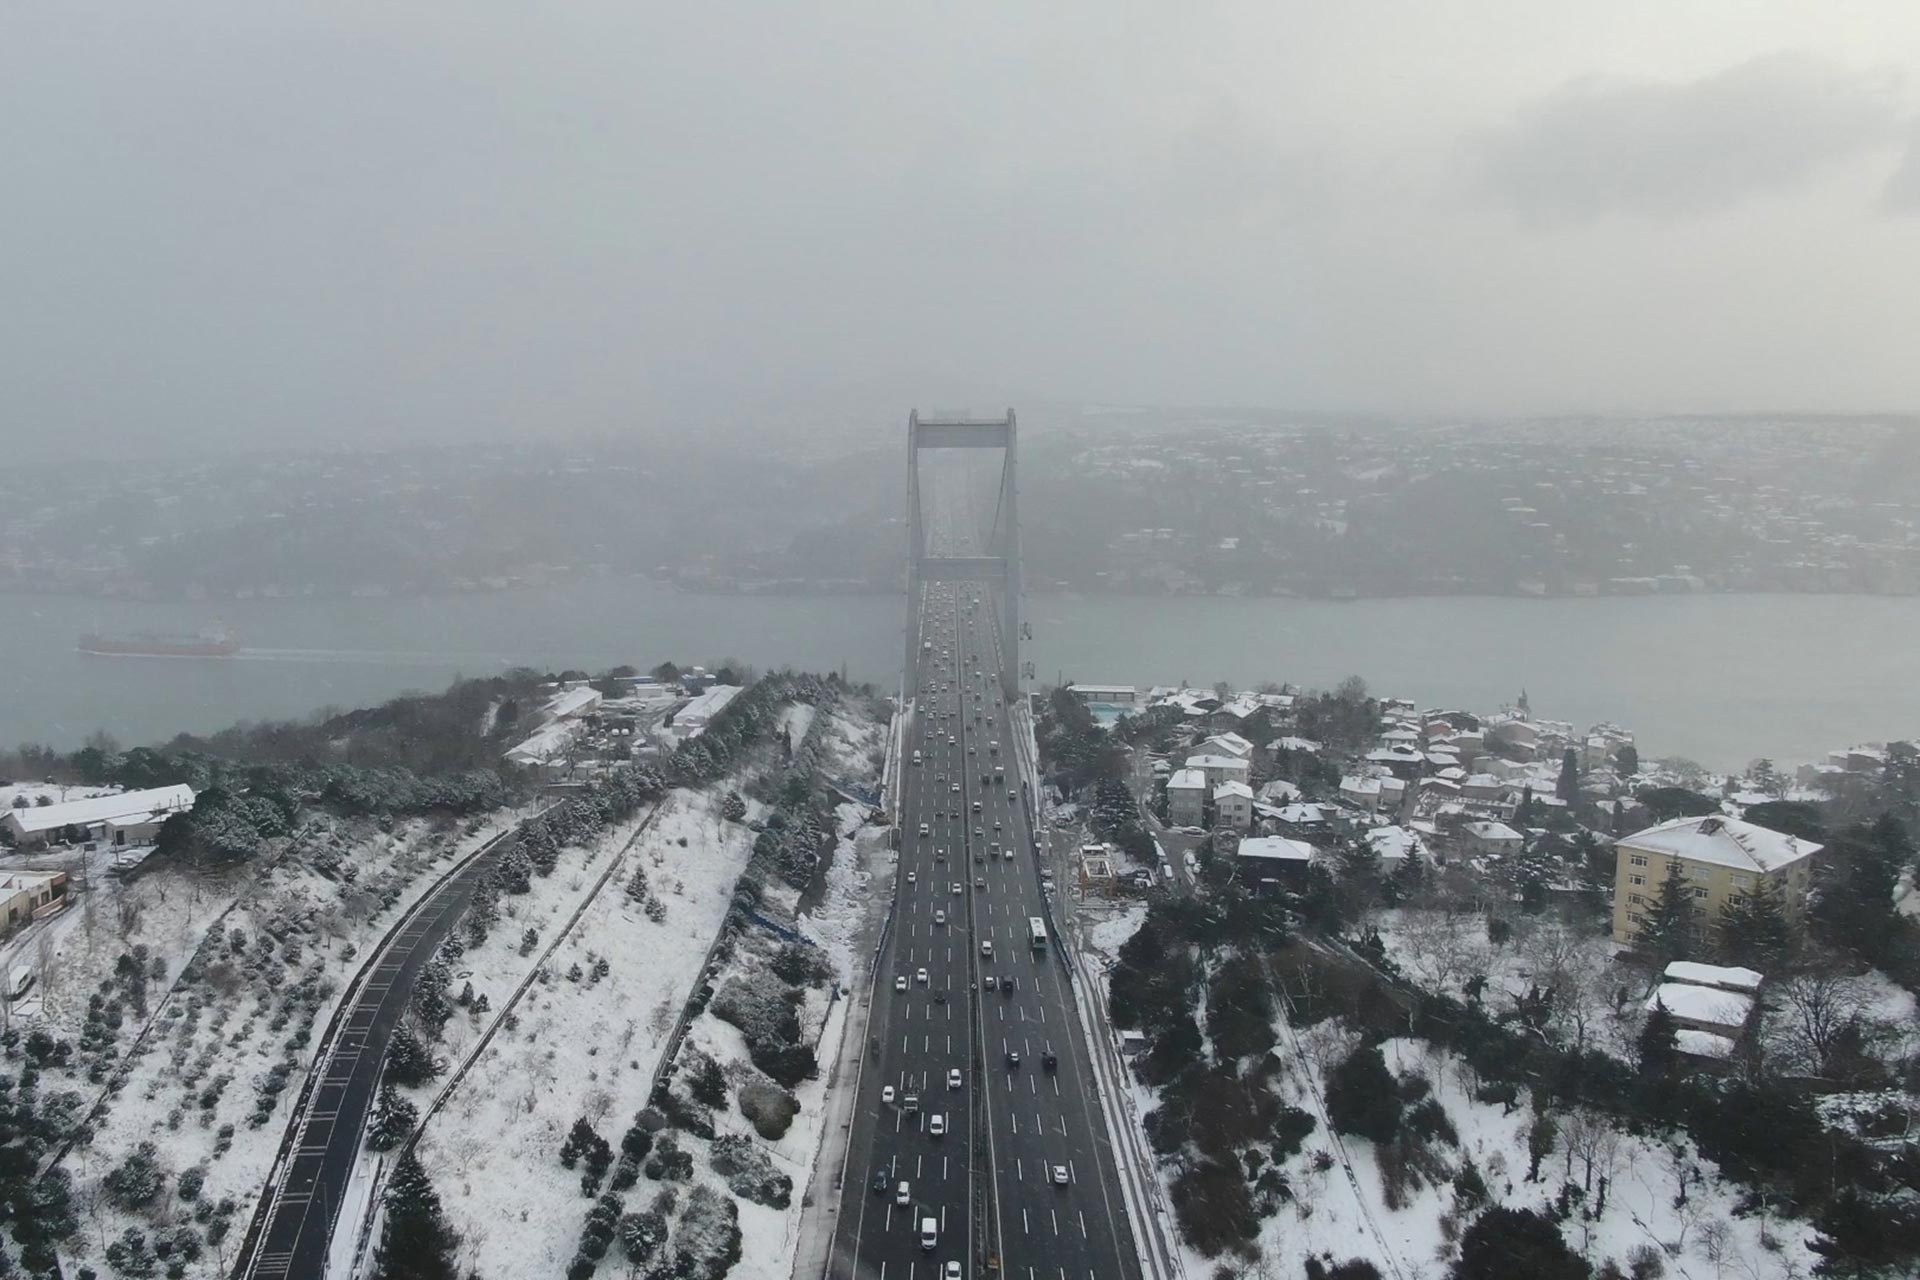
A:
{"points": [[1022, 1181]]}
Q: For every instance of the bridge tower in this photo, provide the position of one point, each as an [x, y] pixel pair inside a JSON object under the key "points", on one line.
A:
{"points": [[999, 567]]}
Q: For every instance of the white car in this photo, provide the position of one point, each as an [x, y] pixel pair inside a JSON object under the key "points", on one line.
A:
{"points": [[986, 947], [953, 1077], [951, 1271], [921, 977], [1060, 1178], [912, 876], [956, 788], [940, 917], [900, 983], [956, 888], [886, 1094], [937, 1125], [1009, 856]]}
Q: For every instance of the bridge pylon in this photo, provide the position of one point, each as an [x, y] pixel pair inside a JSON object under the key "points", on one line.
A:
{"points": [[999, 568]]}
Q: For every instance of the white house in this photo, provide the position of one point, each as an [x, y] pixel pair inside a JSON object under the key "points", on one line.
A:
{"points": [[1219, 769], [1186, 797], [1226, 744], [1233, 806]]}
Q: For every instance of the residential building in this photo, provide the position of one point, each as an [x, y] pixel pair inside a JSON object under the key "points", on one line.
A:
{"points": [[1219, 769], [1488, 837], [1268, 862], [1233, 806], [1719, 858], [130, 812], [1361, 793], [1225, 744], [1187, 797]]}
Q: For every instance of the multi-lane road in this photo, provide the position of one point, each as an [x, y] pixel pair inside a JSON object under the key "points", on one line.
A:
{"points": [[976, 1110]]}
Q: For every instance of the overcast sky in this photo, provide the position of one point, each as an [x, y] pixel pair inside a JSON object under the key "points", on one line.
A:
{"points": [[298, 223]]}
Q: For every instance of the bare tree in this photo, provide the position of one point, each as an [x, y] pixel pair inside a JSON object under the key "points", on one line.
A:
{"points": [[1820, 1006]]}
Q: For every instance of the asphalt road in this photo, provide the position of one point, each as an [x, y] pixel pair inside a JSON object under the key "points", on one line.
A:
{"points": [[301, 1207], [971, 885]]}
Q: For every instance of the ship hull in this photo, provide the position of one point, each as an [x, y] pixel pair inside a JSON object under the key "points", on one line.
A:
{"points": [[108, 647]]}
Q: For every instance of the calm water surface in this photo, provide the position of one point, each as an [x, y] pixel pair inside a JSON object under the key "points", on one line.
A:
{"points": [[1718, 678]]}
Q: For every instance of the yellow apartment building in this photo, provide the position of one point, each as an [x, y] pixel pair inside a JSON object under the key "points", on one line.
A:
{"points": [[1720, 858]]}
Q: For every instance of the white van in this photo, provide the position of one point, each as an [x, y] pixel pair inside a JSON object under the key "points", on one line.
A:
{"points": [[929, 1233]]}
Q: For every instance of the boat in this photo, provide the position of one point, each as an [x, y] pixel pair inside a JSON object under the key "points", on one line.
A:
{"points": [[213, 644]]}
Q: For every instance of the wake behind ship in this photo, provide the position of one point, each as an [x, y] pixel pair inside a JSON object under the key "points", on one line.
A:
{"points": [[216, 644]]}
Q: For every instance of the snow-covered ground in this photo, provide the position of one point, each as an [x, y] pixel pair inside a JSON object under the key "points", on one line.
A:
{"points": [[239, 1014], [576, 1048], [1444, 952]]}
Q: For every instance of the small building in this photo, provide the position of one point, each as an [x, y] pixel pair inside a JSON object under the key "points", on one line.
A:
{"points": [[1720, 977], [1488, 837], [1187, 798], [1721, 1013], [1269, 862], [1394, 845], [1225, 744], [1106, 695], [1360, 792], [692, 720], [130, 812], [1304, 821], [1233, 806], [28, 895]]}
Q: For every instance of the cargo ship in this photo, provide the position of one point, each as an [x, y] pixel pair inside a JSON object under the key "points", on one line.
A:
{"points": [[216, 644]]}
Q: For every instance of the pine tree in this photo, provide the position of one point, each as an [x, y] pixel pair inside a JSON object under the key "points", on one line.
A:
{"points": [[1671, 926], [409, 1061], [1568, 788], [415, 1243], [394, 1116], [1659, 1043], [1754, 928]]}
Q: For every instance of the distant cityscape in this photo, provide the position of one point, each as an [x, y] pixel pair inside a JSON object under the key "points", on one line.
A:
{"points": [[1116, 502]]}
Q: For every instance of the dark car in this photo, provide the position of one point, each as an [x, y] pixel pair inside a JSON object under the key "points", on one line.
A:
{"points": [[880, 1181], [1050, 1062]]}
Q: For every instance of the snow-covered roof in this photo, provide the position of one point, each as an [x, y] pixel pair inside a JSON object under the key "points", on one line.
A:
{"points": [[1730, 977], [1360, 786], [1722, 842], [1280, 789], [84, 813], [1389, 843], [707, 705], [1492, 831], [1231, 789], [545, 745], [1303, 813], [1277, 847], [1231, 743], [1701, 1004], [1702, 1044], [1395, 755], [1187, 780], [1097, 691], [1294, 744], [1225, 764], [571, 702]]}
